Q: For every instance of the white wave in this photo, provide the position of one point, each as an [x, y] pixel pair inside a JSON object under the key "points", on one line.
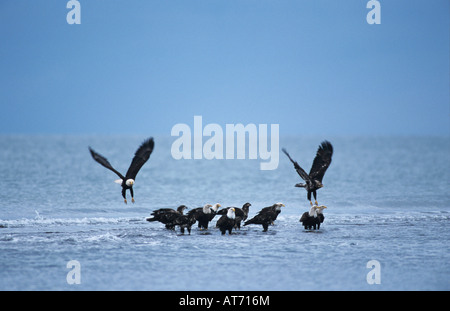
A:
{"points": [[40, 221], [106, 237]]}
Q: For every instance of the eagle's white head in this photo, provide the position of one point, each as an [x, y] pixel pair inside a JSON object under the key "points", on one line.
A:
{"points": [[215, 207], [313, 211], [128, 182], [231, 214], [207, 209], [320, 209], [278, 206]]}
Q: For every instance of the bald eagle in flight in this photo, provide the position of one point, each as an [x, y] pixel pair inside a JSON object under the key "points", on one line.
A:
{"points": [[313, 218], [240, 213], [204, 214], [140, 157], [266, 216], [313, 180], [227, 222], [167, 216]]}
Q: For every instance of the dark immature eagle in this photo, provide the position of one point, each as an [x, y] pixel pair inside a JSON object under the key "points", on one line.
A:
{"points": [[167, 216], [185, 222], [140, 157], [266, 216], [172, 218], [313, 180]]}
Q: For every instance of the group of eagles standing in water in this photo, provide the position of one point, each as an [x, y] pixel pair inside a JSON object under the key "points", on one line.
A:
{"points": [[231, 217]]}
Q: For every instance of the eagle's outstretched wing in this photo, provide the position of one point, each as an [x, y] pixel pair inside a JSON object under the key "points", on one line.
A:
{"points": [[103, 161], [321, 161], [140, 157], [297, 167]]}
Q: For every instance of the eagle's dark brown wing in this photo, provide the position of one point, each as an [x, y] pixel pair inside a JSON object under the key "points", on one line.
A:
{"points": [[140, 157], [103, 161], [297, 167], [322, 161]]}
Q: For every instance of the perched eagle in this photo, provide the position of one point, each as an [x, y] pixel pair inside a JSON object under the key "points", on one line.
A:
{"points": [[313, 181], [266, 216], [227, 222], [320, 215], [241, 214], [184, 222], [140, 157], [313, 218], [167, 216], [204, 214]]}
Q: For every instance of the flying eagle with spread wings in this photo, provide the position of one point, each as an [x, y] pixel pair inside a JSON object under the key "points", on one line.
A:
{"points": [[313, 180], [140, 157]]}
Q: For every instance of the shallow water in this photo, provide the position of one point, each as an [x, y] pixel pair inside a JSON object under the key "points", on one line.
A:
{"points": [[387, 200]]}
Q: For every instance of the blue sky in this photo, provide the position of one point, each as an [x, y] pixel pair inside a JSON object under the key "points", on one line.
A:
{"points": [[140, 67]]}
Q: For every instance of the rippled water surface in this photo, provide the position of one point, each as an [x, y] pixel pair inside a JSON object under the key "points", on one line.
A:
{"points": [[387, 198]]}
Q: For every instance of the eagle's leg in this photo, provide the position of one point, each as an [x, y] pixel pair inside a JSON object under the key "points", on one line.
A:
{"points": [[315, 197], [124, 195], [132, 195], [309, 198]]}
